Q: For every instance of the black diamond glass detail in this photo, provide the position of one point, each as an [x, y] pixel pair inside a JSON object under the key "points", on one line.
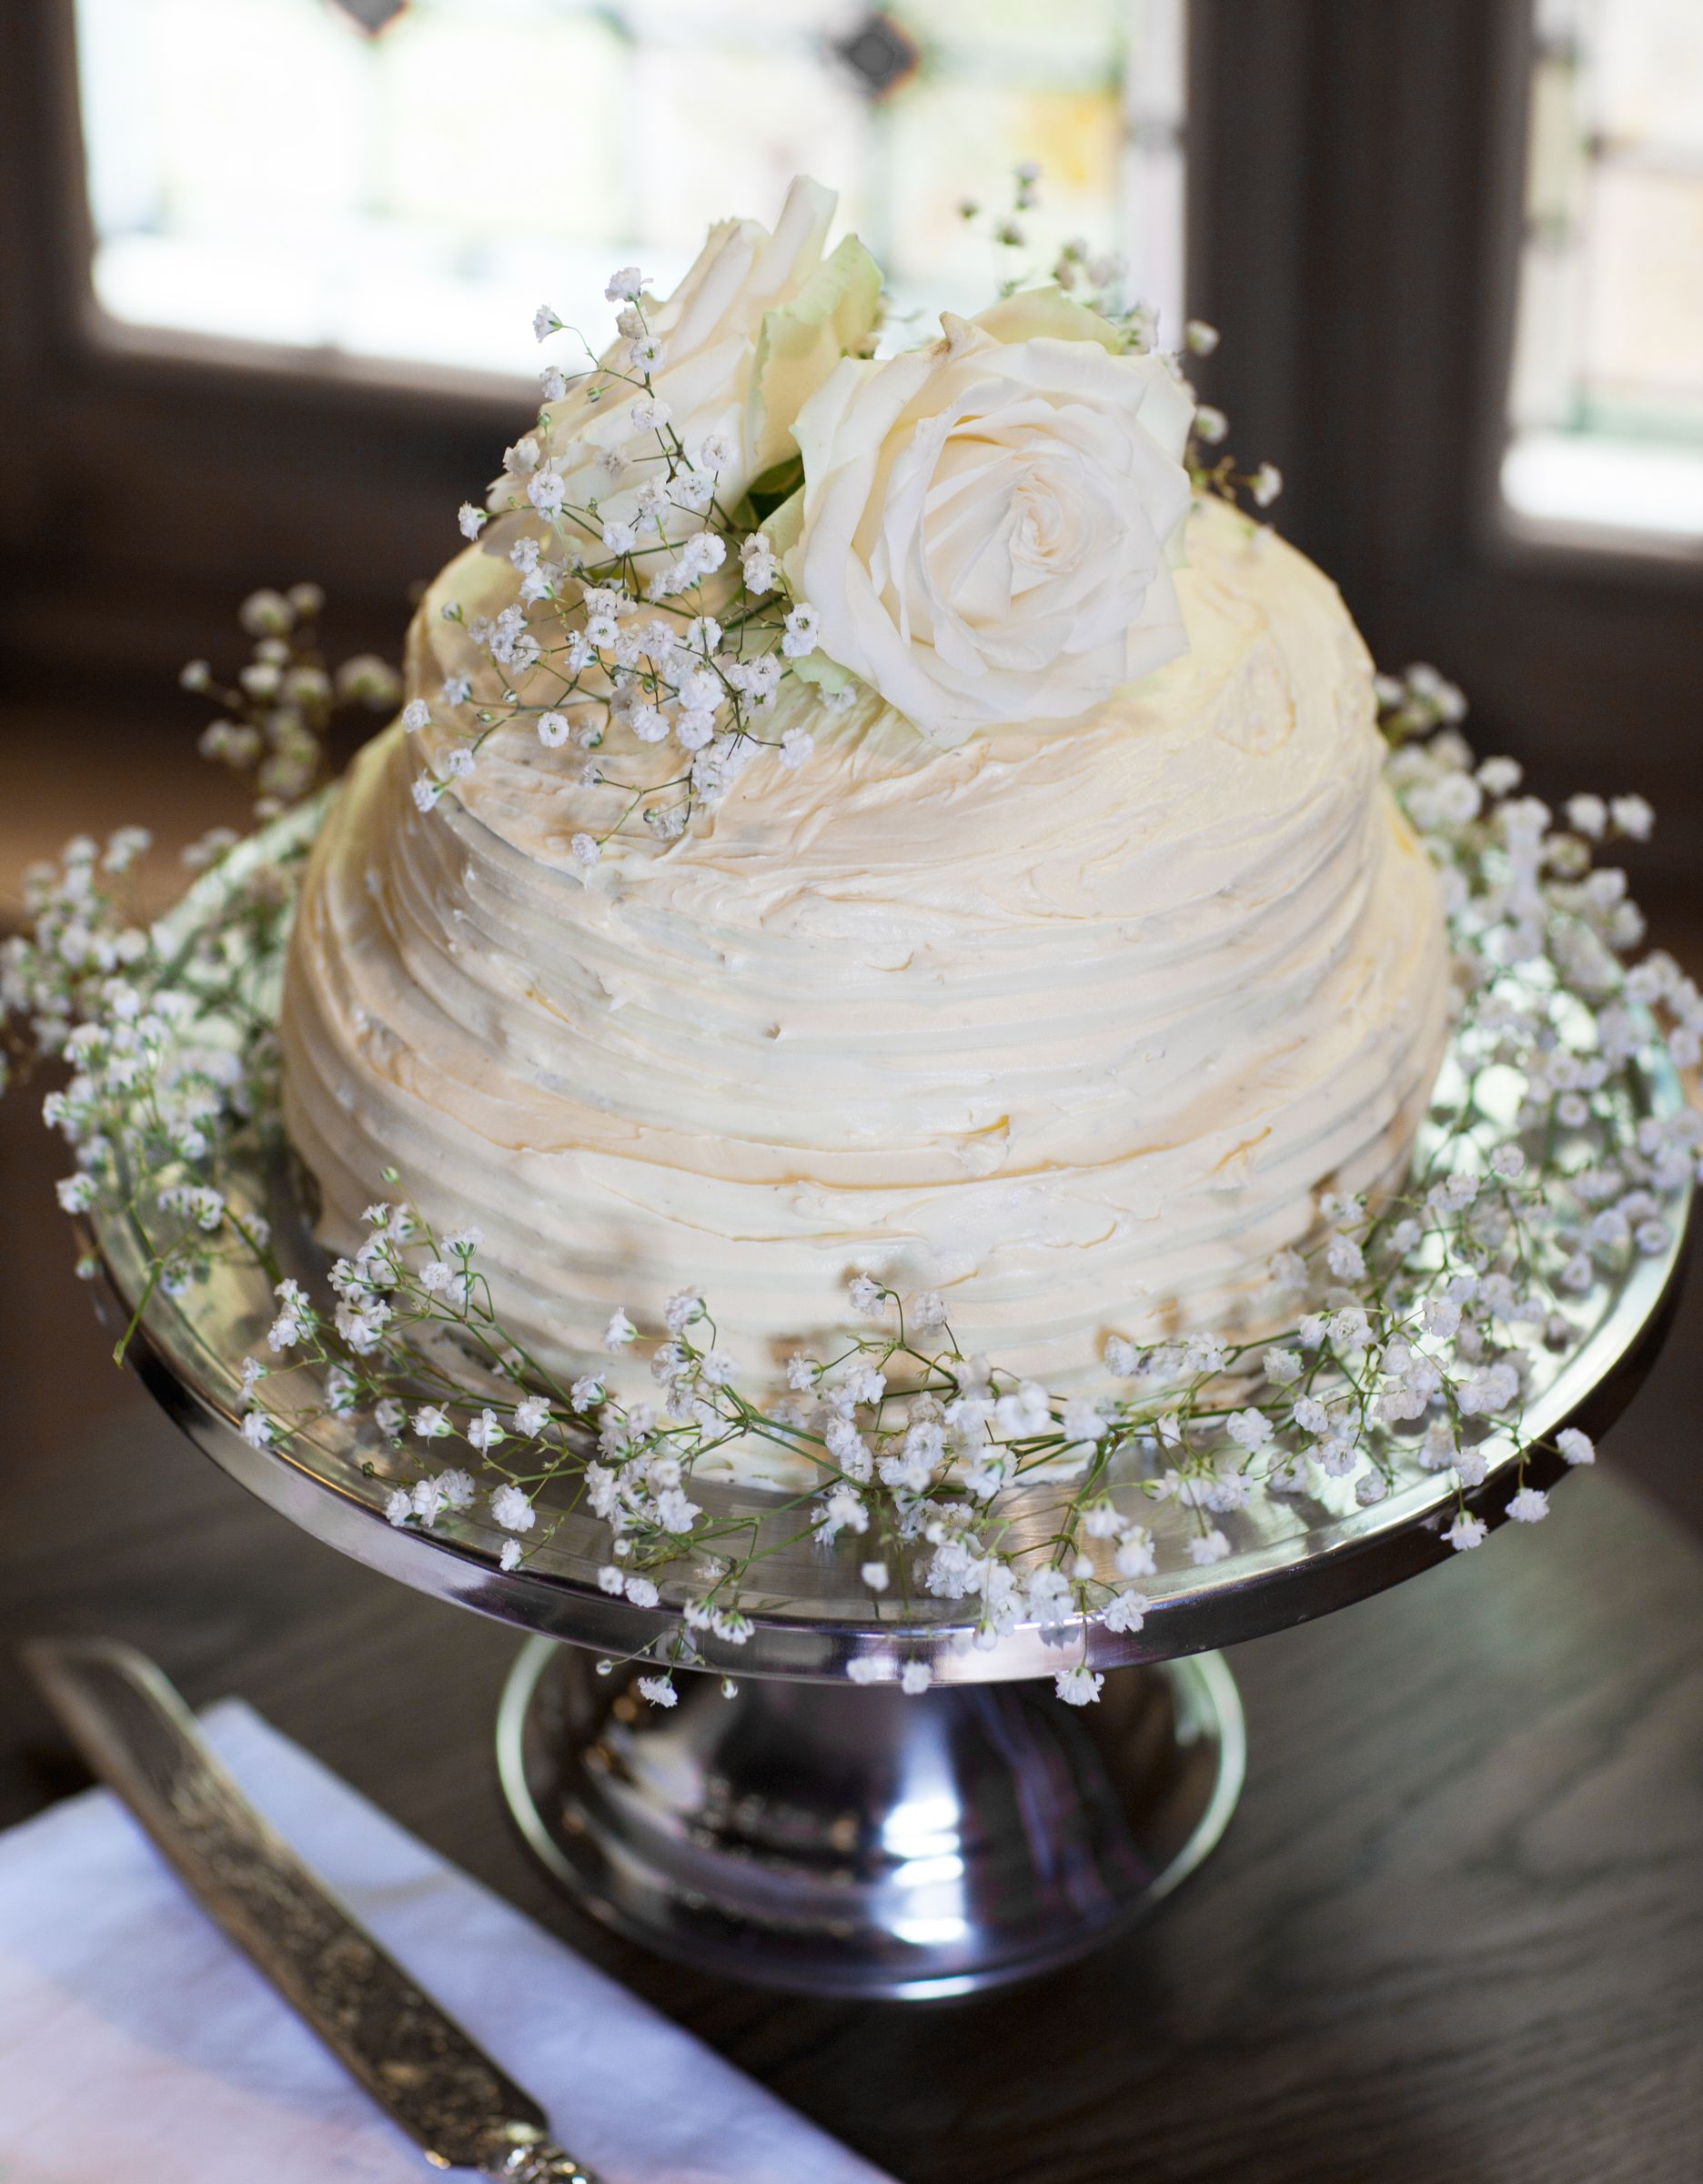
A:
{"points": [[878, 52]]}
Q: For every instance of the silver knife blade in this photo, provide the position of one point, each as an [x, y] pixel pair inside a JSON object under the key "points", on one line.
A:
{"points": [[418, 2064]]}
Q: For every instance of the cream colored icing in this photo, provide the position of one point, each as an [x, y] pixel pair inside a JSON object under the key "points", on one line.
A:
{"points": [[1072, 1023]]}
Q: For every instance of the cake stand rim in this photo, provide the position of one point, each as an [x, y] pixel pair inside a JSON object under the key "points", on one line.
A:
{"points": [[1251, 1597]]}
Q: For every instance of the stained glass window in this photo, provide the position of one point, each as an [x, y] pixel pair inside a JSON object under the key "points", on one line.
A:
{"points": [[1606, 397], [277, 172]]}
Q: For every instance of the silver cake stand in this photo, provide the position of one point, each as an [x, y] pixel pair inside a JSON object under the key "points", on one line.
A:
{"points": [[835, 1837]]}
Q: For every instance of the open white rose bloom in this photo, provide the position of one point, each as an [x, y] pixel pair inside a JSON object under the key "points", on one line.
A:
{"points": [[1081, 951]]}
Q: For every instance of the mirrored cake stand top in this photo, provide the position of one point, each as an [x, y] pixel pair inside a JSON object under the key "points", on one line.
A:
{"points": [[1293, 1557]]}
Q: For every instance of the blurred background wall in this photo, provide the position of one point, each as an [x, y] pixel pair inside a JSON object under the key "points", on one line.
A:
{"points": [[267, 269]]}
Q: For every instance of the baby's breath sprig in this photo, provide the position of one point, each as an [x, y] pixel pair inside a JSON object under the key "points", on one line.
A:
{"points": [[669, 624], [277, 718]]}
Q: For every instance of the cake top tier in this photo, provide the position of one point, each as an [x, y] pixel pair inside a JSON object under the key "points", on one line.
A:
{"points": [[1038, 824]]}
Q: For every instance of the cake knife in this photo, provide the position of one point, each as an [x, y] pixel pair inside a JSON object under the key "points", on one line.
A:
{"points": [[418, 2064]]}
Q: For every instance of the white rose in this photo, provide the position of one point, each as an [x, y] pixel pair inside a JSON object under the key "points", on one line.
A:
{"points": [[753, 329], [985, 521]]}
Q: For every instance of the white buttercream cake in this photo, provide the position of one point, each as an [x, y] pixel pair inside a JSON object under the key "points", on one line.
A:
{"points": [[1072, 1023]]}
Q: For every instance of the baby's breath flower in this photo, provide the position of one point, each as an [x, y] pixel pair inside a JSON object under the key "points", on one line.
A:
{"points": [[510, 1508]]}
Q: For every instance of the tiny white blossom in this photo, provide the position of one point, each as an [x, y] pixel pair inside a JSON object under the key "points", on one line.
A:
{"points": [[1078, 1686], [1135, 1556], [509, 1559], [624, 286], [1466, 1532], [415, 715], [1126, 1610], [1265, 485], [1208, 1547], [77, 1193], [619, 1332], [874, 1574], [915, 1676], [399, 1506], [1575, 1447], [510, 1508], [586, 849], [1082, 1422], [674, 1512], [803, 622], [797, 747], [1530, 1505], [545, 323], [552, 729], [470, 519], [658, 1690]]}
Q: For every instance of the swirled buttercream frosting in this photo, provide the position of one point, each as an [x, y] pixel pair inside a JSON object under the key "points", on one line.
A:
{"points": [[1070, 1023]]}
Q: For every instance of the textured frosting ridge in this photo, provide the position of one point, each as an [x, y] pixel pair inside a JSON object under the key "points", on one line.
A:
{"points": [[1072, 1024]]}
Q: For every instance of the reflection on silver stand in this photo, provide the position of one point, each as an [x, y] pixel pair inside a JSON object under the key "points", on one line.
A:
{"points": [[856, 1841]]}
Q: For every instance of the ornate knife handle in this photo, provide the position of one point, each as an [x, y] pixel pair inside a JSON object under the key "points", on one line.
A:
{"points": [[431, 2078]]}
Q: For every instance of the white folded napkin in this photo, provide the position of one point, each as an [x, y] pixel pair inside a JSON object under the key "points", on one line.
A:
{"points": [[137, 2044]]}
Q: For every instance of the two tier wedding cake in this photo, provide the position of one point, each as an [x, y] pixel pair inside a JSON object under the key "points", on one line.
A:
{"points": [[867, 815]]}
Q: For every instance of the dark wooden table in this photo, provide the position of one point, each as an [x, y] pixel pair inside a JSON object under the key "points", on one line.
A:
{"points": [[1455, 1931]]}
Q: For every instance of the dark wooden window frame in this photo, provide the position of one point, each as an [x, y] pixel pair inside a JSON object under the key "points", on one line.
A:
{"points": [[1355, 198], [1355, 176]]}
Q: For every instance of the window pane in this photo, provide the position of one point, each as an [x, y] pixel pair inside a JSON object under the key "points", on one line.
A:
{"points": [[1606, 404], [268, 171]]}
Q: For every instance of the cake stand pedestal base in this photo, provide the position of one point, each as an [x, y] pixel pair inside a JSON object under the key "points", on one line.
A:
{"points": [[844, 1840]]}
